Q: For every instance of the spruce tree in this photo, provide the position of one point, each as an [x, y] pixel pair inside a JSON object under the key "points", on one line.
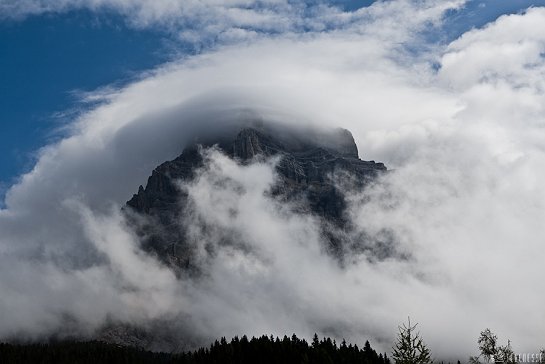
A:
{"points": [[410, 347]]}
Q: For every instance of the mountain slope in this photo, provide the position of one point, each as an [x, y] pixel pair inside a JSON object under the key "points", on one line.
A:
{"points": [[312, 169]]}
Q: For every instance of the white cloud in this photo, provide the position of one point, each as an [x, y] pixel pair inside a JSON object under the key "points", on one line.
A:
{"points": [[465, 198], [509, 50], [200, 19], [207, 22]]}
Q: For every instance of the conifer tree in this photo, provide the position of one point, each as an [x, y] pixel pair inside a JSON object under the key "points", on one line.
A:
{"points": [[410, 347]]}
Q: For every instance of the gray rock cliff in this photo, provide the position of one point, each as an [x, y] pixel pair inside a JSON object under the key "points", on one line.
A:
{"points": [[311, 170]]}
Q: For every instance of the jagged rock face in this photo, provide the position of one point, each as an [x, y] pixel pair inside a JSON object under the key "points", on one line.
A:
{"points": [[308, 171]]}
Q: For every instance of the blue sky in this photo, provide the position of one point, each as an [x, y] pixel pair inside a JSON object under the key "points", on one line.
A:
{"points": [[47, 59]]}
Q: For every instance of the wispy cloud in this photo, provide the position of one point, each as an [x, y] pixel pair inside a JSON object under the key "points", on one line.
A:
{"points": [[209, 22]]}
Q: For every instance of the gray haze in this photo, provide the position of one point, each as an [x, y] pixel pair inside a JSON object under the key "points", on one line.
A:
{"points": [[465, 199]]}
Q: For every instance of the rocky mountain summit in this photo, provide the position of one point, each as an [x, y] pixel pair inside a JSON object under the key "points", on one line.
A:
{"points": [[312, 169]]}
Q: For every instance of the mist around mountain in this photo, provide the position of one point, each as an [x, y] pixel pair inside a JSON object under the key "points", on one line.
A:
{"points": [[309, 175], [313, 170]]}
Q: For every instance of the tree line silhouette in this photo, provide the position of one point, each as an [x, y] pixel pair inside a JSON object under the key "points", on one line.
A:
{"points": [[264, 349]]}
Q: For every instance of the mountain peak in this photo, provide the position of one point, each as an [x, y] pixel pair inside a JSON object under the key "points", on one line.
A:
{"points": [[251, 141], [309, 161]]}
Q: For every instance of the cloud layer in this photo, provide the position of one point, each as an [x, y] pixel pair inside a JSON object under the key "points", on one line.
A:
{"points": [[462, 126], [208, 22]]}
